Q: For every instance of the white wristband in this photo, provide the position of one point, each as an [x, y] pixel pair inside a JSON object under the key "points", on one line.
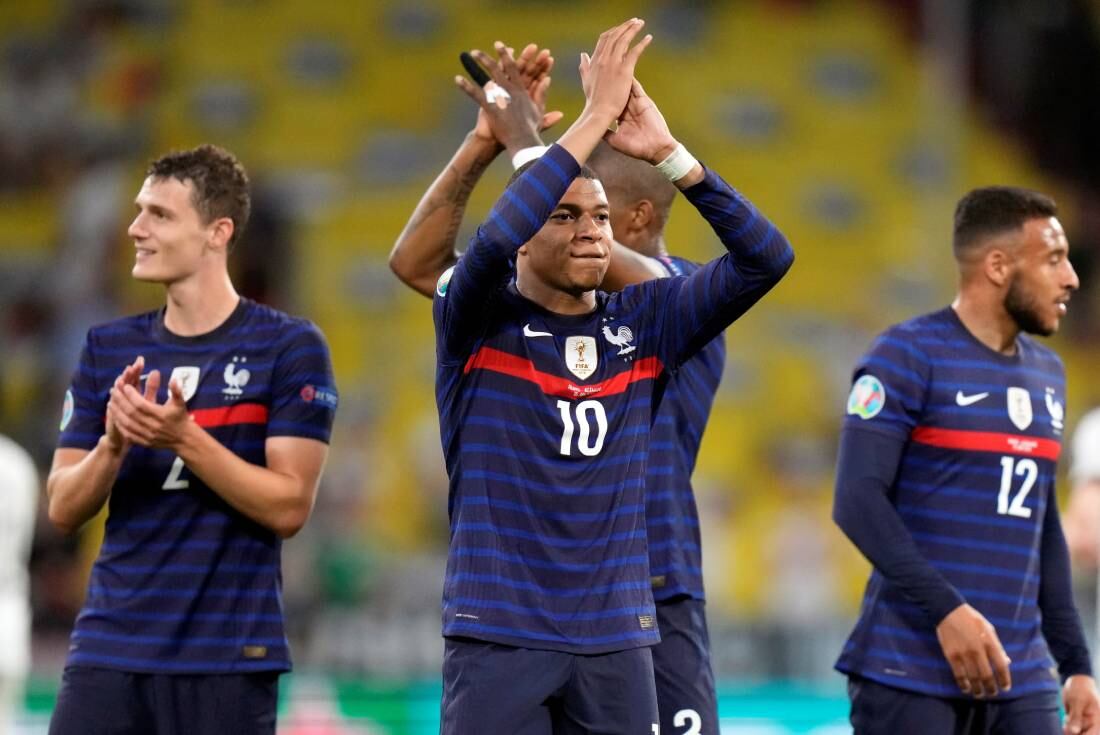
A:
{"points": [[523, 155], [678, 164]]}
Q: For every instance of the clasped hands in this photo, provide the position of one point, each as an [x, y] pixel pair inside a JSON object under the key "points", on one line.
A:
{"points": [[135, 417]]}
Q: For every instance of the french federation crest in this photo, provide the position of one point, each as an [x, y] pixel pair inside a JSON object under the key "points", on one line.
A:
{"points": [[188, 379], [1019, 407], [236, 377], [580, 356], [620, 338], [1056, 410]]}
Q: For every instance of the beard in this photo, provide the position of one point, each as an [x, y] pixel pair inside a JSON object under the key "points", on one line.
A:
{"points": [[1024, 310]]}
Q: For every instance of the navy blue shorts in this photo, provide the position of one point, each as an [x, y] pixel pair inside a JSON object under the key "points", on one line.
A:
{"points": [[106, 702], [492, 688], [878, 709], [686, 699]]}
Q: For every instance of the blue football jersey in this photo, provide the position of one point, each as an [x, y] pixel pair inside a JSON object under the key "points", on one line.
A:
{"points": [[546, 419], [183, 582], [672, 518], [976, 476]]}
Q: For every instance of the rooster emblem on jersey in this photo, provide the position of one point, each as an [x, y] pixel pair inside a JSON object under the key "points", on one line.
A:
{"points": [[235, 380], [1057, 411], [621, 339]]}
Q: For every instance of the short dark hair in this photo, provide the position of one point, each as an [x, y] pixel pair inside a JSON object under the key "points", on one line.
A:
{"points": [[586, 172], [219, 180], [634, 179], [993, 210]]}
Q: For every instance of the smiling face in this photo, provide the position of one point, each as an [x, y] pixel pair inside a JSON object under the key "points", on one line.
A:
{"points": [[571, 252], [1043, 278], [172, 241]]}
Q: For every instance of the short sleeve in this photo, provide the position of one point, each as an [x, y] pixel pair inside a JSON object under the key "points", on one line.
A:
{"points": [[1086, 448], [84, 408], [304, 396], [889, 385]]}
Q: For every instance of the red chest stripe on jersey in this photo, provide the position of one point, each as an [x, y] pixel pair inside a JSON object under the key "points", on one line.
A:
{"points": [[984, 441], [238, 413], [488, 358]]}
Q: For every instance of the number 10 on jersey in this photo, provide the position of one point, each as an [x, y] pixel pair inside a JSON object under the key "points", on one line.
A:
{"points": [[589, 442]]}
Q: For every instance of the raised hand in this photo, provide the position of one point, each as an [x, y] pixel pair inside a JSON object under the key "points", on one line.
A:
{"points": [[608, 73], [535, 65], [642, 131], [972, 648], [526, 79]]}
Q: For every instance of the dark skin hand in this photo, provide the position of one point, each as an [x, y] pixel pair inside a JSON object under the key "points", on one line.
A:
{"points": [[426, 247], [972, 648], [518, 124]]}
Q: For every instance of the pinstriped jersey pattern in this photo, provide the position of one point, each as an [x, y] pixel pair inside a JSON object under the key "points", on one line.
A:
{"points": [[984, 433], [672, 518], [546, 422], [183, 582]]}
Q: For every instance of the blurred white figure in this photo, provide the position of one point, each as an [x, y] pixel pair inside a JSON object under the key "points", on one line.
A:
{"points": [[19, 490], [1082, 517]]}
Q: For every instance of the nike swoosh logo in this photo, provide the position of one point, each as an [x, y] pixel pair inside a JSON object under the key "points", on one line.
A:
{"points": [[528, 332], [964, 400]]}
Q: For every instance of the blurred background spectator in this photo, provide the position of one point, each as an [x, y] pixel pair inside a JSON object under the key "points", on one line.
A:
{"points": [[20, 488]]}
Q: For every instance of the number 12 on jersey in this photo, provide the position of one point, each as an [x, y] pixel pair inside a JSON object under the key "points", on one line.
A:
{"points": [[589, 443], [1010, 467]]}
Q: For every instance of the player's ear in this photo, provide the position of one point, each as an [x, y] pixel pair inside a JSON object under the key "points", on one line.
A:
{"points": [[641, 214], [998, 266], [221, 231]]}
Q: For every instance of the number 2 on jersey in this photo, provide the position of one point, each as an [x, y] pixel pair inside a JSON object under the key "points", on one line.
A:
{"points": [[587, 445], [689, 718], [1025, 468], [174, 482]]}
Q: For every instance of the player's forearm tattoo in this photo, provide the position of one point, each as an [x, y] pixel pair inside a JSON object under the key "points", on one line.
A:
{"points": [[460, 194], [454, 189]]}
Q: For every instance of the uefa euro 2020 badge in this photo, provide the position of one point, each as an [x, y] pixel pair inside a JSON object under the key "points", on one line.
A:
{"points": [[867, 398], [443, 282], [67, 409]]}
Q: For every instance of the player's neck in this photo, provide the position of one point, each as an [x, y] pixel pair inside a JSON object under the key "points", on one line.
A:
{"points": [[555, 300], [649, 246], [197, 306], [988, 322], [660, 251]]}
